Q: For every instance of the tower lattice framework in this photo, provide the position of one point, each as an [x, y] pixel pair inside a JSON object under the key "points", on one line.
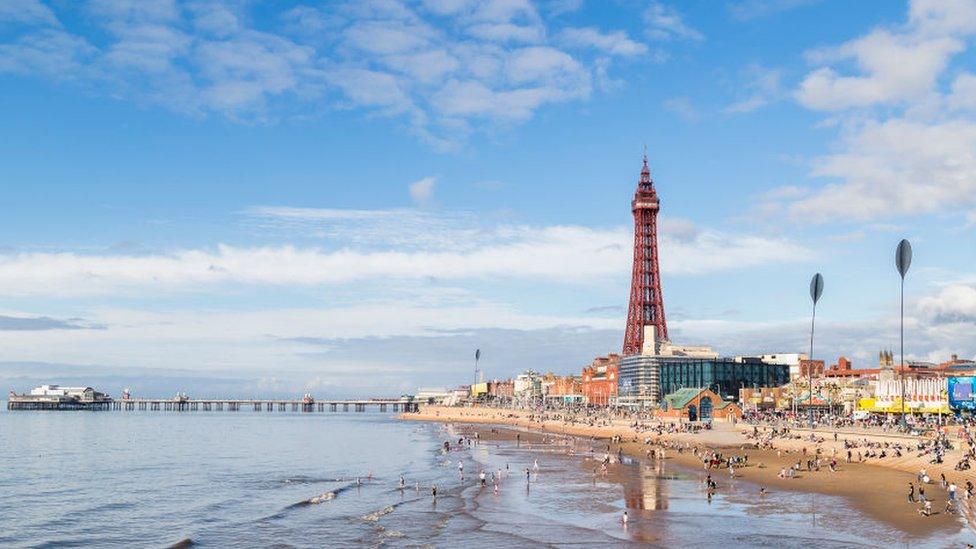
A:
{"points": [[646, 300]]}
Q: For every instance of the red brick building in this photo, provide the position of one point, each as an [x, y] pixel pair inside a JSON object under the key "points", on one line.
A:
{"points": [[697, 404], [566, 386], [806, 365], [600, 380], [501, 389]]}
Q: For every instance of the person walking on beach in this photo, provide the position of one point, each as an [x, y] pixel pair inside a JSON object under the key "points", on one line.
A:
{"points": [[921, 493], [911, 493]]}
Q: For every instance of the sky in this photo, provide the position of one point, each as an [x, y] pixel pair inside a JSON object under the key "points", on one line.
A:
{"points": [[240, 198]]}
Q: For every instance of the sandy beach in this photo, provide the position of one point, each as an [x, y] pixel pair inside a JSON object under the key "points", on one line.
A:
{"points": [[877, 487]]}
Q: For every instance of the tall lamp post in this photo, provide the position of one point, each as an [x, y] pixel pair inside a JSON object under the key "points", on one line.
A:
{"points": [[477, 356], [903, 260], [816, 290]]}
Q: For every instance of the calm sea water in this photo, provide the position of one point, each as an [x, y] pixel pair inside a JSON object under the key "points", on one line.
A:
{"points": [[152, 479]]}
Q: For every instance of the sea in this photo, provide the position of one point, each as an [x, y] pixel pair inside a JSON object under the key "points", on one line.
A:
{"points": [[257, 479]]}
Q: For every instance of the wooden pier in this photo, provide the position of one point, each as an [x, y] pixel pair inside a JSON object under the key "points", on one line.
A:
{"points": [[234, 405]]}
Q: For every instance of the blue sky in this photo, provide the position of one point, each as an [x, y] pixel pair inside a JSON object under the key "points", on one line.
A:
{"points": [[269, 198]]}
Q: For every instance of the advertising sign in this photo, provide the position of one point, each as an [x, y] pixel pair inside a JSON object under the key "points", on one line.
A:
{"points": [[961, 394]]}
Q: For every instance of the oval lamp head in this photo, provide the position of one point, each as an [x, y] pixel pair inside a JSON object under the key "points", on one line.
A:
{"points": [[903, 257], [816, 287]]}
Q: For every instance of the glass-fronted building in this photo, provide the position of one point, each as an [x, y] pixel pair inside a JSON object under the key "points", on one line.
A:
{"points": [[645, 379]]}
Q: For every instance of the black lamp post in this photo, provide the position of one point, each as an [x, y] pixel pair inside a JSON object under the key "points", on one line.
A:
{"points": [[816, 290], [903, 260]]}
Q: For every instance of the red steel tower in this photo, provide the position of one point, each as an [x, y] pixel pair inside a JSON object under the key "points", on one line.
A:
{"points": [[646, 301]]}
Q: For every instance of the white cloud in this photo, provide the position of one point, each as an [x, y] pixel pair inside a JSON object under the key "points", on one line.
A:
{"points": [[963, 96], [896, 167], [683, 107], [665, 23], [916, 157], [26, 11], [763, 86], [895, 65], [612, 43], [748, 10], [445, 68], [954, 303], [422, 191], [564, 254]]}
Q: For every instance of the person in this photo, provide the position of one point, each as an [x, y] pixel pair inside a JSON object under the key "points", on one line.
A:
{"points": [[624, 518], [762, 490], [403, 483], [495, 489], [926, 509], [921, 494], [535, 465], [527, 474], [952, 492], [433, 492], [911, 493], [481, 475]]}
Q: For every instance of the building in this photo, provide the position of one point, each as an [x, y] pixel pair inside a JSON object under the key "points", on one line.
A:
{"points": [[566, 390], [479, 390], [600, 380], [790, 359], [925, 394], [527, 386], [810, 367], [765, 398], [432, 395], [501, 390], [645, 379], [56, 397], [697, 404], [646, 323]]}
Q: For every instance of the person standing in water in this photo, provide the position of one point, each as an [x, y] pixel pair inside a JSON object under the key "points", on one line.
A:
{"points": [[403, 483]]}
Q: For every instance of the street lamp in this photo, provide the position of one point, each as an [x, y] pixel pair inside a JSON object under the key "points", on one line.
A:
{"points": [[903, 260], [816, 290]]}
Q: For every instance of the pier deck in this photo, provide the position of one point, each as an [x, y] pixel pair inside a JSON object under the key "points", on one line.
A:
{"points": [[219, 405]]}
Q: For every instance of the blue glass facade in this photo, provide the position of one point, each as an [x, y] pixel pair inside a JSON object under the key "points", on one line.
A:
{"points": [[644, 380]]}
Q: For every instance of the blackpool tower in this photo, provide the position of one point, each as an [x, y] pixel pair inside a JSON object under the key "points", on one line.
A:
{"points": [[645, 316]]}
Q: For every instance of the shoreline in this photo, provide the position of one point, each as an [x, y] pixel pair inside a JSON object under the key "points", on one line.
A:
{"points": [[878, 489]]}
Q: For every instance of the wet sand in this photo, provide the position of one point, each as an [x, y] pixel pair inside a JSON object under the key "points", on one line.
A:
{"points": [[878, 489]]}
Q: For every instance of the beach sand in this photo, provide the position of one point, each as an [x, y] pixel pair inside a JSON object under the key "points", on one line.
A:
{"points": [[878, 488]]}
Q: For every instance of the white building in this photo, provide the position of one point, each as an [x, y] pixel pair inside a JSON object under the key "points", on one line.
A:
{"points": [[86, 394], [790, 359], [528, 384]]}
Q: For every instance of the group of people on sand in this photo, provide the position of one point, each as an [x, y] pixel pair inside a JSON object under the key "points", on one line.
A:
{"points": [[922, 479]]}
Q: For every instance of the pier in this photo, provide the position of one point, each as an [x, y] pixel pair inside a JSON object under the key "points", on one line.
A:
{"points": [[404, 404], [55, 397]]}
